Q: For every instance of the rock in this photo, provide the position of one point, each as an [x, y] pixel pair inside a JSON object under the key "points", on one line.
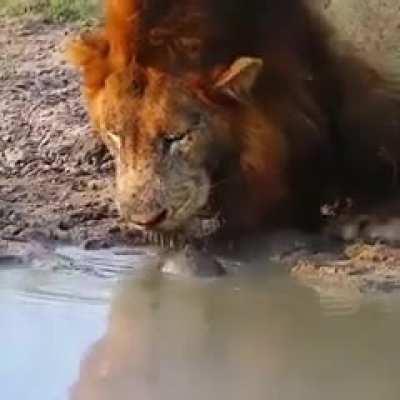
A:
{"points": [[96, 244], [14, 156], [92, 185], [372, 27], [10, 260]]}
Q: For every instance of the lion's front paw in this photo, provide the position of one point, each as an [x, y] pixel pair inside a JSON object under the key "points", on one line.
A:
{"points": [[369, 228]]}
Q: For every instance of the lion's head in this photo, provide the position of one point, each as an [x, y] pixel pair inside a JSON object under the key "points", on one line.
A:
{"points": [[174, 136]]}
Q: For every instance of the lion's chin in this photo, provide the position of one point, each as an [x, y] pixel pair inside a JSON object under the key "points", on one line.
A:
{"points": [[195, 228]]}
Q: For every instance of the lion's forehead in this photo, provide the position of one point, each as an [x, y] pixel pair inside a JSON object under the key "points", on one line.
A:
{"points": [[164, 107]]}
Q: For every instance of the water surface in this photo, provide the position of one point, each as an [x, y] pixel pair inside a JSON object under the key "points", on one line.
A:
{"points": [[97, 325]]}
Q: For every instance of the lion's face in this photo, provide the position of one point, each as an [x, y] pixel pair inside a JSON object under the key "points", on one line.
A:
{"points": [[162, 136]]}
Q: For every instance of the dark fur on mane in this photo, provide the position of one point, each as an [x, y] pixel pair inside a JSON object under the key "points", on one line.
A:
{"points": [[222, 29]]}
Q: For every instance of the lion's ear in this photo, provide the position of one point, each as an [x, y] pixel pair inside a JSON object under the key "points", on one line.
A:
{"points": [[239, 79], [89, 52]]}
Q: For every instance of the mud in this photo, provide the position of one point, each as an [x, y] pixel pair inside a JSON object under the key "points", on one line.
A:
{"points": [[56, 178]]}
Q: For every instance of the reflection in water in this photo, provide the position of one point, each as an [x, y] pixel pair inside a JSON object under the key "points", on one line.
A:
{"points": [[239, 338]]}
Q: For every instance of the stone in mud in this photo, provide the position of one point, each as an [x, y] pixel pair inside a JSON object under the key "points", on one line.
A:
{"points": [[192, 262]]}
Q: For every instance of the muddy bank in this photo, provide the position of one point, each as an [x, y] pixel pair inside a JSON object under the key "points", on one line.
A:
{"points": [[56, 178], [359, 269]]}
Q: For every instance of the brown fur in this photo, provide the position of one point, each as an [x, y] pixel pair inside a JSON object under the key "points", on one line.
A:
{"points": [[309, 119]]}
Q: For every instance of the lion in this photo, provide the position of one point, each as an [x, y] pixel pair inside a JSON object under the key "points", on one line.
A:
{"points": [[238, 111]]}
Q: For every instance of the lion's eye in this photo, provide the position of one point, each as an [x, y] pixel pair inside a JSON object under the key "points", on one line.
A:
{"points": [[169, 140], [174, 138]]}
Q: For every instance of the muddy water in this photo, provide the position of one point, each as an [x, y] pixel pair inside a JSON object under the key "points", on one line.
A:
{"points": [[98, 325]]}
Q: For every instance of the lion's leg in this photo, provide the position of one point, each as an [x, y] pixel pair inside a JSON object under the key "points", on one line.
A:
{"points": [[374, 224]]}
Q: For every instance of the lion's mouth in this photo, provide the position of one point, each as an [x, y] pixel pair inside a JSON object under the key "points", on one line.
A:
{"points": [[192, 218]]}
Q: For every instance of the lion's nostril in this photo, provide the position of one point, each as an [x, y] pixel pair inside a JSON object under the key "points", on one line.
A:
{"points": [[151, 221]]}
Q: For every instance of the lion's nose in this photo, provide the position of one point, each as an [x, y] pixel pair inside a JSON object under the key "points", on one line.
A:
{"points": [[152, 221]]}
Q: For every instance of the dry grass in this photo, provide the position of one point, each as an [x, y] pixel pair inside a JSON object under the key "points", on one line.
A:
{"points": [[54, 10]]}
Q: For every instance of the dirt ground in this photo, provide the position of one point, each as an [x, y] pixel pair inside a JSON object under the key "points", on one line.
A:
{"points": [[56, 178], [54, 175]]}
